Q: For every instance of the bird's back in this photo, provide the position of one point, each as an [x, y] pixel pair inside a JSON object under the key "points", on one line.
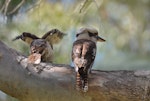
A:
{"points": [[83, 53]]}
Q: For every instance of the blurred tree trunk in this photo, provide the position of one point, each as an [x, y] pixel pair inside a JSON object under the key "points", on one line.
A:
{"points": [[55, 82]]}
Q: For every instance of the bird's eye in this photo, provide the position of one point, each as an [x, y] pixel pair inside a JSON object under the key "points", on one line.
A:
{"points": [[77, 35]]}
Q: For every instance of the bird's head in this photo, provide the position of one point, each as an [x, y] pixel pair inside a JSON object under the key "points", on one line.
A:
{"points": [[89, 34], [38, 46]]}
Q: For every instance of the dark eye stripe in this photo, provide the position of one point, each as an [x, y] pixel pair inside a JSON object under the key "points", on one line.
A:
{"points": [[96, 33], [91, 34], [77, 35]]}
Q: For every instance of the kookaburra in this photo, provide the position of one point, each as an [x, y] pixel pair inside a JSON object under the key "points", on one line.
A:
{"points": [[41, 49], [83, 55]]}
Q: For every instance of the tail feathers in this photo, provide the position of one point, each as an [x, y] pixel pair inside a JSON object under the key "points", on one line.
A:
{"points": [[82, 79], [83, 73], [78, 82]]}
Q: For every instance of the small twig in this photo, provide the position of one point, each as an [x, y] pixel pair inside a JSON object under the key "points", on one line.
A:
{"points": [[96, 3], [36, 4], [84, 4], [1, 10], [6, 6], [17, 7]]}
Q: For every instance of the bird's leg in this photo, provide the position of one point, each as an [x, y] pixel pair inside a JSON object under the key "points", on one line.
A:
{"points": [[78, 81], [85, 82]]}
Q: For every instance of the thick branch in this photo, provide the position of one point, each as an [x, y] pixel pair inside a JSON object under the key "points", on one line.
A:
{"points": [[51, 82]]}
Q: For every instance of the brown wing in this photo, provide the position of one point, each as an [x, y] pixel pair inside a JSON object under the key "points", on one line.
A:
{"points": [[26, 37], [83, 53], [53, 36]]}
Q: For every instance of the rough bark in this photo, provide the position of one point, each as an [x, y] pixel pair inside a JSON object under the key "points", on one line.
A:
{"points": [[56, 82]]}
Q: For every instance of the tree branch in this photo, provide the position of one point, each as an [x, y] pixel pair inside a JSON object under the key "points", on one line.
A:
{"points": [[56, 82], [34, 5], [17, 7], [84, 5], [3, 7], [6, 6]]}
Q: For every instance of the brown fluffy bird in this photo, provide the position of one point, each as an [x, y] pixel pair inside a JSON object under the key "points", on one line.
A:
{"points": [[83, 55], [41, 49]]}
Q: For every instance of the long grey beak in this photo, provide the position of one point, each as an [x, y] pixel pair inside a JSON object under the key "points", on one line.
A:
{"points": [[99, 39]]}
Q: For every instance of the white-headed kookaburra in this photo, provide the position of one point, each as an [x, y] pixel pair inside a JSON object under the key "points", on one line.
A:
{"points": [[83, 55], [41, 49]]}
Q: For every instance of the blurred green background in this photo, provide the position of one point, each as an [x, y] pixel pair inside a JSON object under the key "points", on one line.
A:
{"points": [[125, 24]]}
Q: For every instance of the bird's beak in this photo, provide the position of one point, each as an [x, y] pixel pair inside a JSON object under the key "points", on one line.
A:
{"points": [[99, 39]]}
